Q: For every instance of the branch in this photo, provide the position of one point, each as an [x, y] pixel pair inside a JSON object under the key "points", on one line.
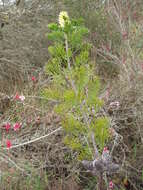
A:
{"points": [[36, 139], [69, 64]]}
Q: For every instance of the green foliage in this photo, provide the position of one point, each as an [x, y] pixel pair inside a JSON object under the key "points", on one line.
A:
{"points": [[73, 126], [82, 58], [52, 93], [101, 131], [75, 88]]}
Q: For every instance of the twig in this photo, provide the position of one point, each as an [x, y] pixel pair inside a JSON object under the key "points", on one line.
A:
{"points": [[36, 139]]}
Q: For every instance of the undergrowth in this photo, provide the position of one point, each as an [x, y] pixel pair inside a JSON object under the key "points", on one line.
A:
{"points": [[44, 139]]}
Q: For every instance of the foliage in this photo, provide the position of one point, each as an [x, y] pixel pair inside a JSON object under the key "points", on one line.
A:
{"points": [[75, 87], [116, 31]]}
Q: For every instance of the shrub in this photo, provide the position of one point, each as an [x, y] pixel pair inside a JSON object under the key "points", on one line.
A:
{"points": [[75, 87]]}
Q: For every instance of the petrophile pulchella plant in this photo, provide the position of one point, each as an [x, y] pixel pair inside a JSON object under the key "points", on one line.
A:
{"points": [[75, 87]]}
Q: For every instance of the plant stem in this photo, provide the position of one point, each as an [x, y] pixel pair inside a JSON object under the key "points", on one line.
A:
{"points": [[96, 155], [69, 64], [100, 185]]}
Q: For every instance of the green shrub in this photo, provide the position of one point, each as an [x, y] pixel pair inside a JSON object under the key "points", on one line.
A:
{"points": [[75, 87]]}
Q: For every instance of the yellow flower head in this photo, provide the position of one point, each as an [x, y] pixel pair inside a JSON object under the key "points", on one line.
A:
{"points": [[63, 18]]}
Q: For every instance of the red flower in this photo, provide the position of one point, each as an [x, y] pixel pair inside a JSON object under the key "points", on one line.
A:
{"points": [[8, 144], [7, 126], [16, 126], [111, 185], [17, 97], [33, 78]]}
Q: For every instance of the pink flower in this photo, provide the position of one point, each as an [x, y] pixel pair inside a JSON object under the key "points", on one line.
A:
{"points": [[33, 78], [22, 98], [8, 144], [16, 126], [105, 149], [111, 185], [7, 126], [18, 97]]}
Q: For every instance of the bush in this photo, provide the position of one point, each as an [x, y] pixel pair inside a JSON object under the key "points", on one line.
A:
{"points": [[75, 87]]}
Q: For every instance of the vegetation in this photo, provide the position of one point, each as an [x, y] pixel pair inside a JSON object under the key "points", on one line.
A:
{"points": [[75, 87], [71, 95]]}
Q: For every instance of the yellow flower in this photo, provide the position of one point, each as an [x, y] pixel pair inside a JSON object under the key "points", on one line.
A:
{"points": [[63, 18]]}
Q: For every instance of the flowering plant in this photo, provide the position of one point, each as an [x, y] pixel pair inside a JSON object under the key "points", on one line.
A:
{"points": [[75, 87], [63, 19]]}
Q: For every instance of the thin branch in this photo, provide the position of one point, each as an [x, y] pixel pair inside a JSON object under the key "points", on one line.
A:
{"points": [[36, 139], [69, 64]]}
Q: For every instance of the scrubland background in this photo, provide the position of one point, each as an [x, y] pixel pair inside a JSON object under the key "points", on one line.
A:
{"points": [[116, 33]]}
